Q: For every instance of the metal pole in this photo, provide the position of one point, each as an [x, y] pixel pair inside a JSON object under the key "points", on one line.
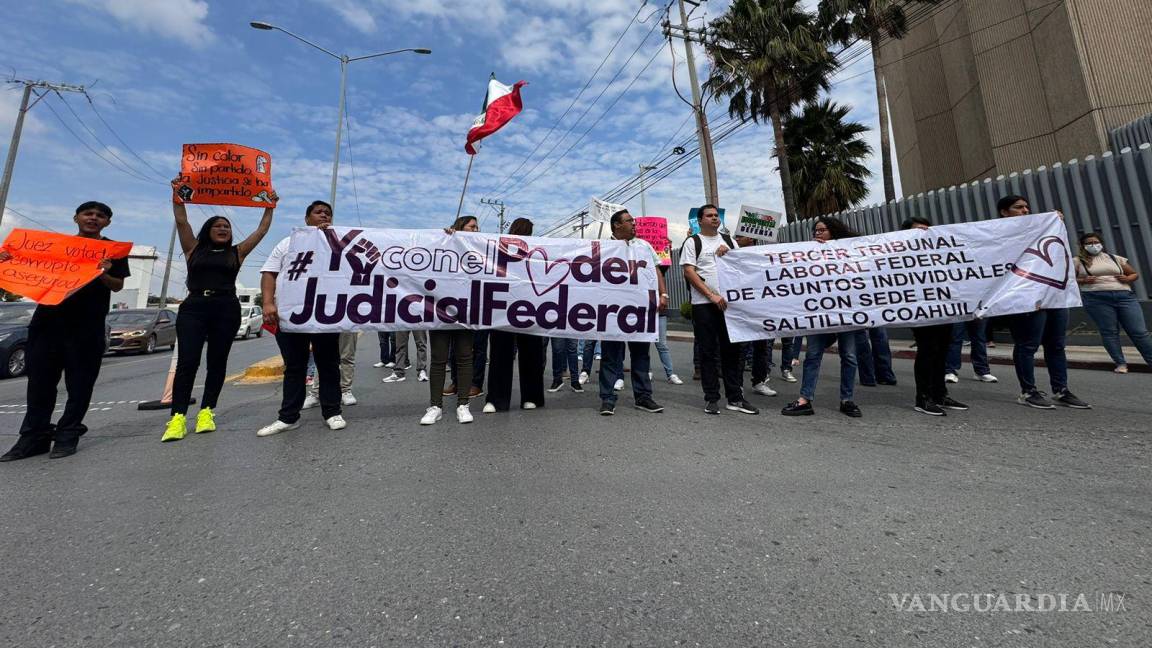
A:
{"points": [[465, 189], [167, 268], [10, 163], [339, 129], [707, 162]]}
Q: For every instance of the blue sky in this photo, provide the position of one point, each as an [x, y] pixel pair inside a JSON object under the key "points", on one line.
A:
{"points": [[166, 72]]}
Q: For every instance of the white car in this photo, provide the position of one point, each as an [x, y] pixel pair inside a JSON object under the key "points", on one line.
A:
{"points": [[251, 321]]}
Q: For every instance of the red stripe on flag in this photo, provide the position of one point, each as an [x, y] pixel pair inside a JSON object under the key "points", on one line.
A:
{"points": [[499, 112]]}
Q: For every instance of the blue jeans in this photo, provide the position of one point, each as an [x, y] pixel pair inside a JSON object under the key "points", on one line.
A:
{"points": [[387, 353], [612, 367], [1113, 310], [977, 332], [1030, 331], [789, 351], [564, 355], [874, 356], [589, 349], [816, 345], [662, 347]]}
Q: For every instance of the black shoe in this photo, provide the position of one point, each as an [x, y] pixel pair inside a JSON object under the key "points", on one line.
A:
{"points": [[886, 383], [930, 408], [577, 387], [1066, 399], [62, 449], [711, 408], [953, 404], [864, 384], [848, 408], [607, 409], [795, 408], [649, 405], [743, 406], [28, 445], [556, 385], [1037, 399]]}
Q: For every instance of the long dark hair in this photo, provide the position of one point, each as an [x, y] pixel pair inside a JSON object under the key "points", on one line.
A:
{"points": [[204, 238], [459, 223], [1006, 203], [836, 228], [520, 227], [1082, 254]]}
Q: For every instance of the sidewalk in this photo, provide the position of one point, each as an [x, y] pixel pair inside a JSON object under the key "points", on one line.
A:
{"points": [[1079, 357]]}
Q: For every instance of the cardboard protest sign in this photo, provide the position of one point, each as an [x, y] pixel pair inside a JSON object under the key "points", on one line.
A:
{"points": [[225, 174], [760, 224], [47, 267], [694, 220], [654, 230]]}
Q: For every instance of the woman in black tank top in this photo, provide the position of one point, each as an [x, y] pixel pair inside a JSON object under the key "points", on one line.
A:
{"points": [[211, 313]]}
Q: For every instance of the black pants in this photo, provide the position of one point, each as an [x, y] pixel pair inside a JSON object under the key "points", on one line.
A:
{"points": [[212, 320], [326, 351], [75, 353], [932, 344], [717, 352], [529, 351], [760, 350]]}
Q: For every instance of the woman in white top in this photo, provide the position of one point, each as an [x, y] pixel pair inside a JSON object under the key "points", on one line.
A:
{"points": [[1106, 287]]}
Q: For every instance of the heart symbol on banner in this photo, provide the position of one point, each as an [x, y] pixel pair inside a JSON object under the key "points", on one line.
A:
{"points": [[1043, 267], [546, 271]]}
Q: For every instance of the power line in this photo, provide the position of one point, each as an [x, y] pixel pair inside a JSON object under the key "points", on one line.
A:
{"points": [[351, 165]]}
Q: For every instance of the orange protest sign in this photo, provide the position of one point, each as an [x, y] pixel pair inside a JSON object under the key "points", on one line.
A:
{"points": [[225, 174], [46, 267]]}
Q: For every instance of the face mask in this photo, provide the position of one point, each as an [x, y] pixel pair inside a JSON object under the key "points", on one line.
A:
{"points": [[1094, 248]]}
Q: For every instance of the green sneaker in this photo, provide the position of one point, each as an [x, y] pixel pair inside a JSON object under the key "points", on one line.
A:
{"points": [[205, 421], [177, 428]]}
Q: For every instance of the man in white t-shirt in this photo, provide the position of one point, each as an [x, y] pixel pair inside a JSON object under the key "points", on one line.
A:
{"points": [[717, 351], [294, 347]]}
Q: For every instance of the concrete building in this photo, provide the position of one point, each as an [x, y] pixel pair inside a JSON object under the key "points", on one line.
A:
{"points": [[987, 87], [141, 263]]}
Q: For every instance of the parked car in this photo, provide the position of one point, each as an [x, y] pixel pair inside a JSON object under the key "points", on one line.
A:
{"points": [[14, 320], [251, 322], [141, 329]]}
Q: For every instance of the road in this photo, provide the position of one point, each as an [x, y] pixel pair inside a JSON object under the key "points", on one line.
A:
{"points": [[558, 527]]}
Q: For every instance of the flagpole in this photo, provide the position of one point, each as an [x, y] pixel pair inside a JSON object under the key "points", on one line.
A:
{"points": [[460, 207]]}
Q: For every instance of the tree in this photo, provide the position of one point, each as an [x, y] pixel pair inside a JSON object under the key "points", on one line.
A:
{"points": [[768, 56], [871, 20], [827, 155]]}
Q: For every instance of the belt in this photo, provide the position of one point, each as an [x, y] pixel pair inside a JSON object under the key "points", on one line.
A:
{"points": [[213, 293]]}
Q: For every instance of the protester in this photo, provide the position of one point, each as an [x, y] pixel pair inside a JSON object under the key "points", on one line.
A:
{"points": [[589, 353], [1106, 288], [528, 352], [479, 338], [401, 365], [975, 331], [565, 355], [1046, 328], [662, 344], [67, 339], [759, 350], [387, 350], [932, 343], [612, 351], [718, 354], [211, 313], [294, 347], [454, 343], [874, 357], [827, 229], [789, 357]]}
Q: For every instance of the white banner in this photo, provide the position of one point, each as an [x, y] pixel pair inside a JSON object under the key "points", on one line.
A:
{"points": [[344, 279], [601, 211], [948, 273], [760, 224]]}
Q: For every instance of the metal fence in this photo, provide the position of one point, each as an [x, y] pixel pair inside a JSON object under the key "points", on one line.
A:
{"points": [[1132, 134]]}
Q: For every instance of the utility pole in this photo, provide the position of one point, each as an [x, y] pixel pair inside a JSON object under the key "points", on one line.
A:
{"points": [[644, 168], [496, 203], [168, 269], [10, 163], [707, 160], [582, 224]]}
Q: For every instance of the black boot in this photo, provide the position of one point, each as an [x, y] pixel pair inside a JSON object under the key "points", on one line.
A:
{"points": [[28, 445]]}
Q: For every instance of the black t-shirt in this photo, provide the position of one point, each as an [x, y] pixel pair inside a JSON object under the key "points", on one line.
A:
{"points": [[213, 269], [84, 308]]}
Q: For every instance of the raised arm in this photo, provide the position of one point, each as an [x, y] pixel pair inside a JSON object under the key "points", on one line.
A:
{"points": [[247, 245], [180, 212]]}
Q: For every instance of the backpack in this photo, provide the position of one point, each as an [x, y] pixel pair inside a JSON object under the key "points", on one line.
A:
{"points": [[699, 245]]}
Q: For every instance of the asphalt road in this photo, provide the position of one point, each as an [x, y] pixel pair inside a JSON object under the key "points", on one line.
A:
{"points": [[558, 527]]}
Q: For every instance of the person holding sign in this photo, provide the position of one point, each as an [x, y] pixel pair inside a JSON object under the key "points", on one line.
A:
{"points": [[1046, 328], [827, 229], [454, 345], [211, 313], [67, 339], [1106, 287]]}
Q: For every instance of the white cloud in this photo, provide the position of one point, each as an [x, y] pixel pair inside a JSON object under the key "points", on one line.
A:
{"points": [[355, 15], [179, 19]]}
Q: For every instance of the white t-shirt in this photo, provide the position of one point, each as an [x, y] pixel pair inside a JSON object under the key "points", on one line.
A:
{"points": [[705, 265], [275, 260], [1104, 267]]}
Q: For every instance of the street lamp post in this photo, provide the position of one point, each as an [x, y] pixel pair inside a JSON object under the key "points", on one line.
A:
{"points": [[344, 61], [644, 169]]}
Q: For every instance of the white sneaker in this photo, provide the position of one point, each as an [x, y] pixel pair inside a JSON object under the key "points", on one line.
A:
{"points": [[463, 414], [422, 376], [310, 401], [377, 364], [675, 380], [619, 384], [347, 398], [649, 375], [988, 378], [276, 428], [786, 375], [763, 389], [394, 378], [431, 415], [489, 408], [529, 405], [336, 422], [597, 356], [583, 377], [390, 365], [951, 378]]}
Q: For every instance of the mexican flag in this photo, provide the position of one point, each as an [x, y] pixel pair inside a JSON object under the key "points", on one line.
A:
{"points": [[501, 104]]}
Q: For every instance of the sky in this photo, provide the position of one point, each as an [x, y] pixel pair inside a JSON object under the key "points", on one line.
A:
{"points": [[161, 73]]}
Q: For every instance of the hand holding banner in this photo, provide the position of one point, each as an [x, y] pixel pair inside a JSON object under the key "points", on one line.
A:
{"points": [[225, 174], [47, 267]]}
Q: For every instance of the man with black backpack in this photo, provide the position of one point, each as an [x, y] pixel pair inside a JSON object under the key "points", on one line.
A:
{"points": [[698, 258]]}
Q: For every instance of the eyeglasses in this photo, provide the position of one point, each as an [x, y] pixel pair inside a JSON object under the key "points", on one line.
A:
{"points": [[820, 229]]}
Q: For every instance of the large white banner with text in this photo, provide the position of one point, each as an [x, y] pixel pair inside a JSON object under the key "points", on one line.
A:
{"points": [[345, 279], [947, 273]]}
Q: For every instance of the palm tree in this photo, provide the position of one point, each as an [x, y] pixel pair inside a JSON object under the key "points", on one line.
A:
{"points": [[768, 56], [827, 156], [871, 20]]}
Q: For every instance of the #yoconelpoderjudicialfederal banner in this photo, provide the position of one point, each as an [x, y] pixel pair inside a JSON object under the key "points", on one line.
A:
{"points": [[225, 174], [47, 267], [342, 279], [947, 273]]}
